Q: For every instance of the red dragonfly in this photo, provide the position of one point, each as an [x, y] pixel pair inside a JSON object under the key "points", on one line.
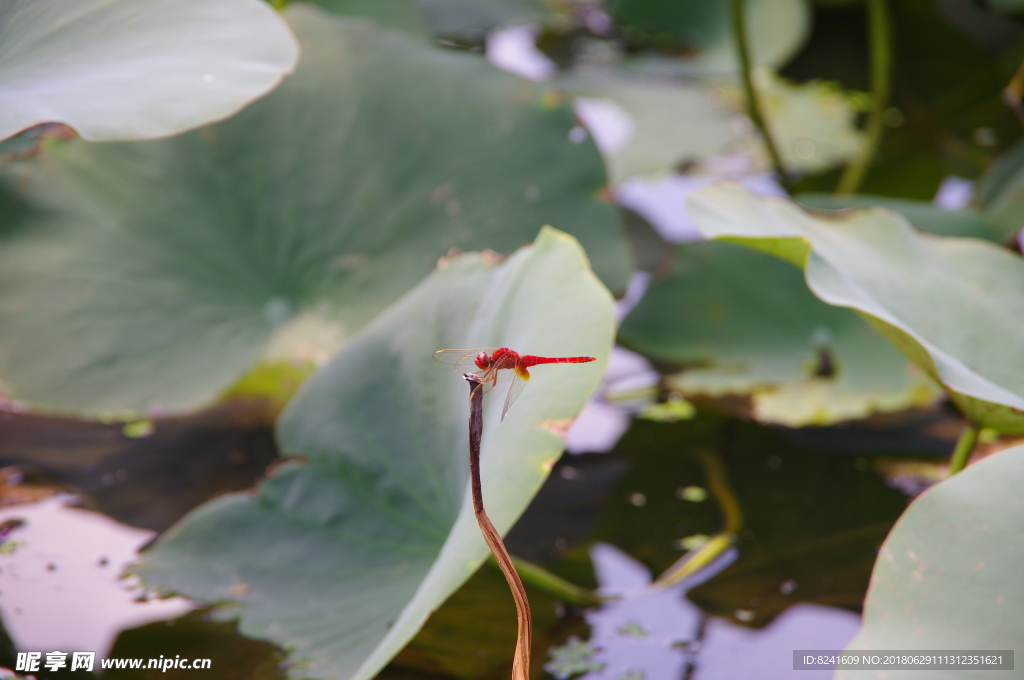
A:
{"points": [[494, 365]]}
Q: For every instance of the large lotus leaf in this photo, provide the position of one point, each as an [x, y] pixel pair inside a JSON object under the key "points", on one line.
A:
{"points": [[136, 69], [744, 322], [1007, 6], [670, 123], [948, 576], [813, 123], [1001, 175], [341, 559], [155, 273], [776, 29], [471, 19], [924, 215], [463, 20], [953, 305], [1001, 191], [402, 14]]}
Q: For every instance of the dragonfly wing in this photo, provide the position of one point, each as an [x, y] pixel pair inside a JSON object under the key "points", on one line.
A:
{"points": [[519, 378]]}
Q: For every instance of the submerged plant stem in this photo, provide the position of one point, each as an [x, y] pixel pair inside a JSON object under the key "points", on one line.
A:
{"points": [[538, 576], [1014, 92], [732, 521], [524, 638], [718, 484], [963, 449], [754, 111], [881, 67]]}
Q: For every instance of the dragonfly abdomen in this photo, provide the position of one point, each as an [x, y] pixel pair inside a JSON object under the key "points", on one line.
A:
{"points": [[530, 360]]}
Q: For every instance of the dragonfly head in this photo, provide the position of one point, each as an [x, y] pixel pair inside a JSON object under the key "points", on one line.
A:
{"points": [[483, 360]]}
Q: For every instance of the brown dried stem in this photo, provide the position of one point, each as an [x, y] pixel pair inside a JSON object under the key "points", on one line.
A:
{"points": [[524, 638]]}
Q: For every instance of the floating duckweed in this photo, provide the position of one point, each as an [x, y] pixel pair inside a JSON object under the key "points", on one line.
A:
{"points": [[572, 658], [694, 494]]}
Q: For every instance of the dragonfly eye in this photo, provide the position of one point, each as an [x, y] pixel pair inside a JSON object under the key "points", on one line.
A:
{"points": [[483, 360]]}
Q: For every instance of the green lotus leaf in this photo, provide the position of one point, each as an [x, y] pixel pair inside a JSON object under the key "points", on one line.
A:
{"points": [[776, 29], [743, 322], [1001, 191], [670, 123], [340, 559], [401, 14], [924, 215], [470, 19], [948, 575], [948, 303], [674, 123], [464, 20], [156, 273], [1001, 176], [136, 69], [813, 123], [699, 24], [1005, 6]]}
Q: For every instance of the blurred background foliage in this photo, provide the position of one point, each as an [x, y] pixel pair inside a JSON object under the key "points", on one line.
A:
{"points": [[164, 294]]}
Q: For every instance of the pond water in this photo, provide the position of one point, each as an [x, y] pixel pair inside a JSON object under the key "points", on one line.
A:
{"points": [[815, 504]]}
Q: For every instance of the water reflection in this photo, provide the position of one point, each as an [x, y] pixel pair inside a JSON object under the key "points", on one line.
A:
{"points": [[814, 513], [61, 585], [729, 651], [657, 633], [647, 631]]}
